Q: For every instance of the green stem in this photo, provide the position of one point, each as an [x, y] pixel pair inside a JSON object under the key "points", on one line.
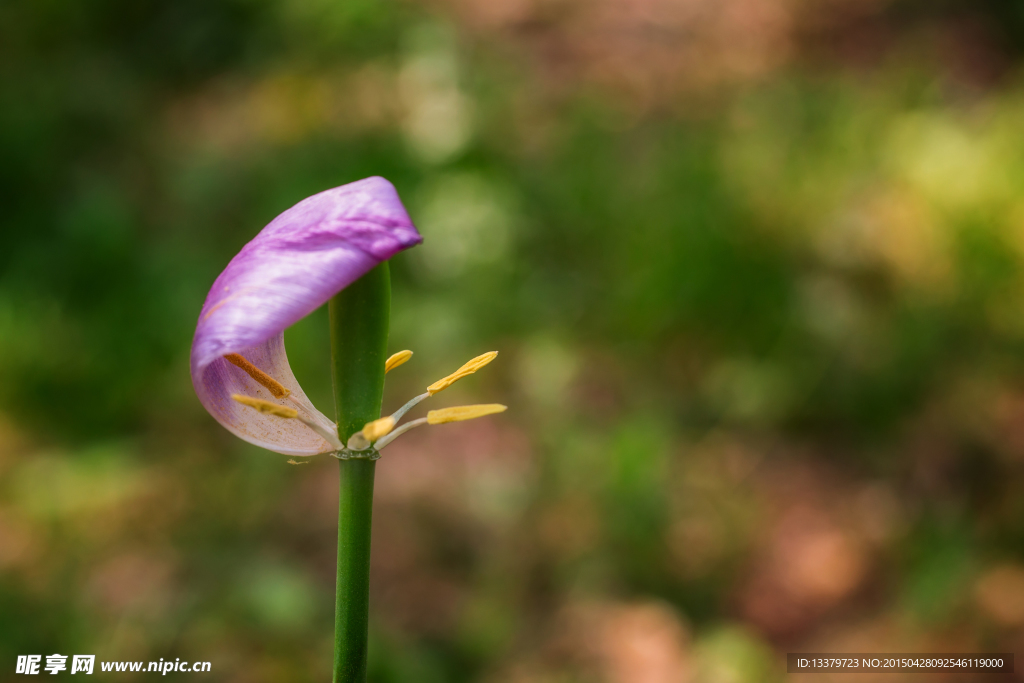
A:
{"points": [[359, 335], [352, 606]]}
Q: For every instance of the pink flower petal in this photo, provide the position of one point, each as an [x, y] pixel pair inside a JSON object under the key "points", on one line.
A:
{"points": [[292, 267]]}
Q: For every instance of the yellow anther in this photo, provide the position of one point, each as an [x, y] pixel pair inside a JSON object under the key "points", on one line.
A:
{"points": [[460, 413], [467, 369], [265, 407], [293, 461], [275, 388], [396, 360], [378, 428]]}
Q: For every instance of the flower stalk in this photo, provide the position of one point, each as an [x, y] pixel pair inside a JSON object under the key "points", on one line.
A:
{"points": [[359, 316]]}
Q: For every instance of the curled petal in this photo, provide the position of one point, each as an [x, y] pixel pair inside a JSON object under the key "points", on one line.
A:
{"points": [[220, 380], [292, 267]]}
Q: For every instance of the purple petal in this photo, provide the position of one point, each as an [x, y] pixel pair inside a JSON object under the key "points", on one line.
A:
{"points": [[292, 267], [220, 379]]}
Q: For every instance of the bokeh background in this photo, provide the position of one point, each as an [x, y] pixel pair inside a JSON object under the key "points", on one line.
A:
{"points": [[755, 269]]}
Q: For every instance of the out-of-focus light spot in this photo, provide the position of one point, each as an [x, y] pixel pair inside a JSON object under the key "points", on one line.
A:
{"points": [[435, 327], [810, 564], [438, 116], [645, 643], [746, 389], [823, 564], [279, 597], [466, 220], [999, 594], [547, 369], [733, 655], [951, 164]]}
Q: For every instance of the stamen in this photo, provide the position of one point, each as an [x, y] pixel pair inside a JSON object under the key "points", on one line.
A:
{"points": [[467, 369], [396, 360], [436, 417], [378, 428], [306, 408], [293, 461], [328, 435], [400, 413], [460, 413], [266, 407], [276, 389], [384, 441]]}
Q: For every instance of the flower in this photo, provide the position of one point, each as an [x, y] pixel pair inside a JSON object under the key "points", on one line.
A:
{"points": [[292, 267]]}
